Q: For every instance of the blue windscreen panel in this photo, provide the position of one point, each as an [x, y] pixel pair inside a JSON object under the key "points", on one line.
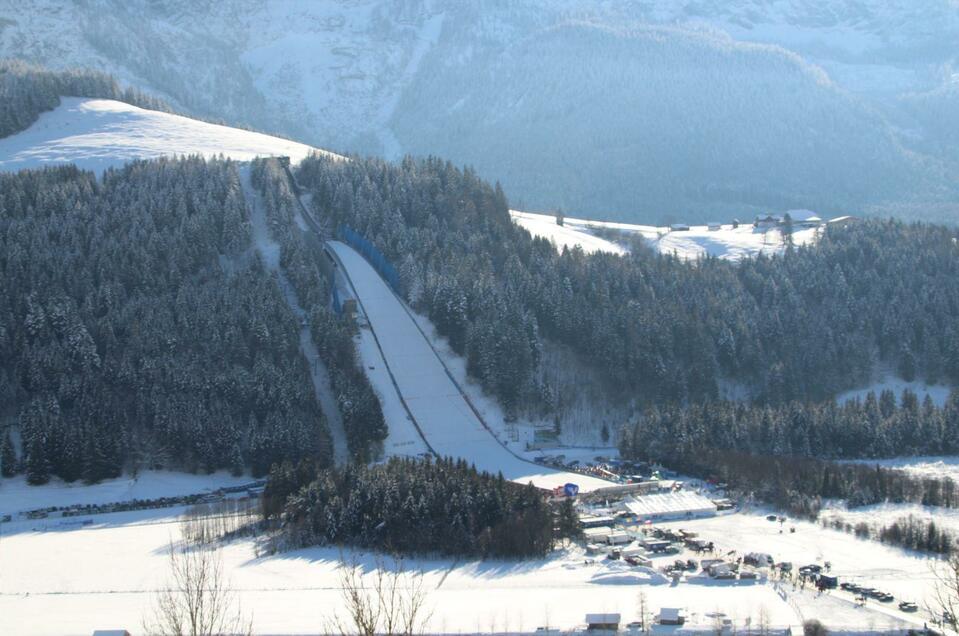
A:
{"points": [[373, 255], [337, 304]]}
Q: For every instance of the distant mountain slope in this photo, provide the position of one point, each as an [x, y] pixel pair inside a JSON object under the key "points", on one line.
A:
{"points": [[96, 134], [639, 109], [659, 124], [726, 242]]}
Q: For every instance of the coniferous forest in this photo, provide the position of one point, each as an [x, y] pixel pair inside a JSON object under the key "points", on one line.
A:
{"points": [[875, 427], [139, 329], [413, 506], [798, 327], [162, 325], [27, 90], [299, 252]]}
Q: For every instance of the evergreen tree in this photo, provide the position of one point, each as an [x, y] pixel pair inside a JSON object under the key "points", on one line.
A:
{"points": [[236, 461], [37, 465], [8, 456], [568, 525]]}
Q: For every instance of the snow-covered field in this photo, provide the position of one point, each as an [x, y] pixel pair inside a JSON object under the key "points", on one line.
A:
{"points": [[96, 134], [727, 242], [444, 417], [16, 495], [932, 466], [879, 515], [71, 581]]}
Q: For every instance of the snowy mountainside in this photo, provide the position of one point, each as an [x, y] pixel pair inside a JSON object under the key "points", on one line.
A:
{"points": [[96, 134], [794, 103]]}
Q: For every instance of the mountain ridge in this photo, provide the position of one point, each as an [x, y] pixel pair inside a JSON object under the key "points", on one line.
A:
{"points": [[351, 76]]}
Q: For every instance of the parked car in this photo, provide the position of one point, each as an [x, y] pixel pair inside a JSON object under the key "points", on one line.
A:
{"points": [[771, 517], [908, 606]]}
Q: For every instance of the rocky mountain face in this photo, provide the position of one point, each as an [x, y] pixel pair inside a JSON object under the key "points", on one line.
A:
{"points": [[643, 111]]}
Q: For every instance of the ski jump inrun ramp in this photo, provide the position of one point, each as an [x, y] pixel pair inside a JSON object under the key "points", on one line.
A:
{"points": [[444, 418]]}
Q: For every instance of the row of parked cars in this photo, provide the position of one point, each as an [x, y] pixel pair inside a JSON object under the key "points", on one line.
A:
{"points": [[879, 595]]}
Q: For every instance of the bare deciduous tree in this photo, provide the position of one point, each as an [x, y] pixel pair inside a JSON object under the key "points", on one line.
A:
{"points": [[390, 601], [198, 600], [645, 617], [944, 604], [763, 621]]}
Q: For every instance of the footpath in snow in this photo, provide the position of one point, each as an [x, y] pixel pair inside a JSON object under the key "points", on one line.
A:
{"points": [[444, 417], [270, 251]]}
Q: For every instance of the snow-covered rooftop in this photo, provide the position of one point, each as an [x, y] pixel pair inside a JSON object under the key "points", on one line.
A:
{"points": [[669, 503]]}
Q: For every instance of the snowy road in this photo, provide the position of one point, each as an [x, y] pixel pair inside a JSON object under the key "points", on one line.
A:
{"points": [[447, 422]]}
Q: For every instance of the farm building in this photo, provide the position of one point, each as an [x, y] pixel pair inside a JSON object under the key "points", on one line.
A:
{"points": [[671, 505], [671, 616], [766, 220], [841, 221], [602, 622], [805, 218]]}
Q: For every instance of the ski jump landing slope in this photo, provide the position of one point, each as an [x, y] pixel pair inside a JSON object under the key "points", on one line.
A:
{"points": [[448, 424]]}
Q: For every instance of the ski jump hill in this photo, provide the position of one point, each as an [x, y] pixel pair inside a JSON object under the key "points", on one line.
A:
{"points": [[445, 419]]}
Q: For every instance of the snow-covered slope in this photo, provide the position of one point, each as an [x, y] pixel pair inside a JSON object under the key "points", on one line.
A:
{"points": [[573, 232], [442, 414], [727, 242], [96, 134]]}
